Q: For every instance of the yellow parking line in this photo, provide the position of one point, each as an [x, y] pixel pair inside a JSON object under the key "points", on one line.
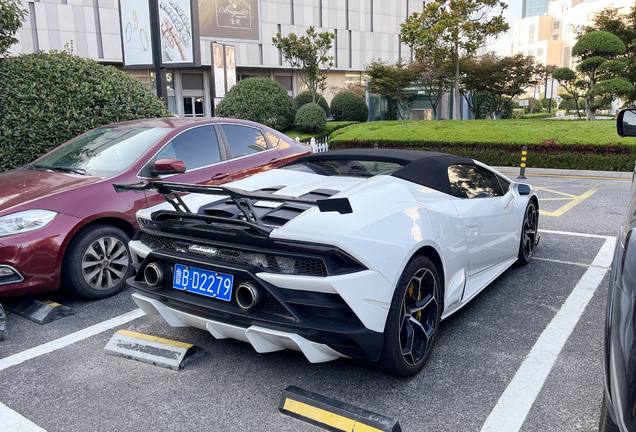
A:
{"points": [[556, 192], [577, 200]]}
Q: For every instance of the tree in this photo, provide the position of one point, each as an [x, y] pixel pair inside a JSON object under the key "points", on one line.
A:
{"points": [[598, 51], [624, 27], [568, 79], [458, 25], [434, 76], [390, 81], [502, 78], [307, 55], [11, 18]]}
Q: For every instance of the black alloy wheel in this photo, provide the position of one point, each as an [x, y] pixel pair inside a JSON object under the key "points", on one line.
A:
{"points": [[529, 229], [413, 322]]}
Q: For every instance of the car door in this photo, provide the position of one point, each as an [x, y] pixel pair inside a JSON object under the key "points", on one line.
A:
{"points": [[250, 151], [205, 160], [489, 214]]}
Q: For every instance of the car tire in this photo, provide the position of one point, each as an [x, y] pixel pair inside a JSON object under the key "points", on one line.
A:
{"points": [[606, 424], [529, 229], [411, 328], [97, 262]]}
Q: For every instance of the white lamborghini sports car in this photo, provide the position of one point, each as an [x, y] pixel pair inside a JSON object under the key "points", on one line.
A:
{"points": [[352, 253]]}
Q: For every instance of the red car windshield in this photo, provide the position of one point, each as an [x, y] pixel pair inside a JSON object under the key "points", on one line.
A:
{"points": [[103, 152]]}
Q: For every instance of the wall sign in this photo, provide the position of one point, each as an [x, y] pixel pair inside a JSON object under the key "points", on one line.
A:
{"points": [[136, 33], [231, 20]]}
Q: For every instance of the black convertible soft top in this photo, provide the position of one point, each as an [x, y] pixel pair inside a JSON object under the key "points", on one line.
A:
{"points": [[426, 168]]}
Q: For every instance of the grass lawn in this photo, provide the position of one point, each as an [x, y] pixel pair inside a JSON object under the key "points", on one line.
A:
{"points": [[331, 126], [519, 132], [565, 144]]}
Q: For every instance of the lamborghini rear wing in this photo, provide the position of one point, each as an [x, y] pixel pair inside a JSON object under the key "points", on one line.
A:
{"points": [[170, 192]]}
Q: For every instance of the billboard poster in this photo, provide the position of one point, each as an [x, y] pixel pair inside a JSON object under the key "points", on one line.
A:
{"points": [[177, 39], [134, 16], [230, 66], [552, 89], [218, 70], [231, 20]]}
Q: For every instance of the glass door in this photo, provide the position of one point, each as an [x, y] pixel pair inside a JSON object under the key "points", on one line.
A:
{"points": [[193, 106]]}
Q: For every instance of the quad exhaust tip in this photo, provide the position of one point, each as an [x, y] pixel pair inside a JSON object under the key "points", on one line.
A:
{"points": [[249, 297], [156, 274]]}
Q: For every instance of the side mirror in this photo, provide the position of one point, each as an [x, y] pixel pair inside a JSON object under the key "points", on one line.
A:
{"points": [[523, 189], [168, 166], [626, 123]]}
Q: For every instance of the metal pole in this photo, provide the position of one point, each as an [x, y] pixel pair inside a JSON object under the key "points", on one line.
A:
{"points": [[160, 73], [524, 153]]}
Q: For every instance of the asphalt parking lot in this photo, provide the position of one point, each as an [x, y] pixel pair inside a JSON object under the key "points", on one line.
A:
{"points": [[525, 355]]}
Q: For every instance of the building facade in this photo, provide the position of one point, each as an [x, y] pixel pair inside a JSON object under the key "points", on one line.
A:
{"points": [[550, 37], [365, 30], [531, 8]]}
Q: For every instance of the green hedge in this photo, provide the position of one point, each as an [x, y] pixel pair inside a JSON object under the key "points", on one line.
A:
{"points": [[311, 118], [305, 98], [261, 100], [349, 106], [551, 144], [47, 98], [330, 127]]}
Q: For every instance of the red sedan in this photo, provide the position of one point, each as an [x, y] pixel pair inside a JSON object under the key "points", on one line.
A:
{"points": [[61, 221]]}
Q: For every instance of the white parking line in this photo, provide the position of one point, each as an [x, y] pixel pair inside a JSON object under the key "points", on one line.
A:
{"points": [[12, 421], [576, 234], [516, 401], [69, 339]]}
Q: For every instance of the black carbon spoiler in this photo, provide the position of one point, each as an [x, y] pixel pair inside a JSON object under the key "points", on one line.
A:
{"points": [[170, 192]]}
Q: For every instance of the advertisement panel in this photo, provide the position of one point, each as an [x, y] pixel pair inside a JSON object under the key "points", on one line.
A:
{"points": [[136, 33], [218, 70], [230, 66], [177, 38], [230, 20]]}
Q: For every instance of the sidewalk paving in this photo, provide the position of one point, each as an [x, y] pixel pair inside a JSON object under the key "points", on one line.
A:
{"points": [[513, 172]]}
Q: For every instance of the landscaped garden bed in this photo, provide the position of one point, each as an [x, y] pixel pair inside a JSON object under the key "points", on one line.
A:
{"points": [[551, 143]]}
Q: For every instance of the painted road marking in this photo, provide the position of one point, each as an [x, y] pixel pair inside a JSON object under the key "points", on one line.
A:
{"points": [[576, 234], [516, 401], [574, 200], [569, 263], [65, 341], [14, 422]]}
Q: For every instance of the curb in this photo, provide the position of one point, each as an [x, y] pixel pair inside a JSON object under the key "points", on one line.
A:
{"points": [[156, 351], [331, 414], [617, 175], [38, 311]]}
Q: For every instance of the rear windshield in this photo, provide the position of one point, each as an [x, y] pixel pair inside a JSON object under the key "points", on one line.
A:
{"points": [[105, 151], [348, 168]]}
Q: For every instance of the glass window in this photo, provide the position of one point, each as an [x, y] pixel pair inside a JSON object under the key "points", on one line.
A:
{"points": [[531, 52], [557, 25], [531, 34], [539, 51], [520, 37], [104, 151], [273, 140], [472, 181], [244, 140], [197, 147], [505, 184], [555, 37]]}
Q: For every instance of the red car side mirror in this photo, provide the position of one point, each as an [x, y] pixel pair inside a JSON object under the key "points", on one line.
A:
{"points": [[168, 166]]}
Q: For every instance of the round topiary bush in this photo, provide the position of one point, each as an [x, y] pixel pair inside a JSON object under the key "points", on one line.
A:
{"points": [[305, 98], [311, 118], [261, 100], [48, 98], [348, 106]]}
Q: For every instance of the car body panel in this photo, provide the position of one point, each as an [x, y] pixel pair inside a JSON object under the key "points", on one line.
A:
{"points": [[80, 200], [392, 220]]}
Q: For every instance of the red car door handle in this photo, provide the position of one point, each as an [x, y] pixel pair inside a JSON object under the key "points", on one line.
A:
{"points": [[220, 176], [274, 161]]}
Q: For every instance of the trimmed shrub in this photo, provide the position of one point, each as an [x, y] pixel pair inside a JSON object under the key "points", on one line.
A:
{"points": [[311, 118], [261, 100], [305, 98], [48, 98], [348, 106], [517, 113]]}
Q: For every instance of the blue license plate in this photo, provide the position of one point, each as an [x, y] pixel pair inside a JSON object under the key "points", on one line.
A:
{"points": [[204, 282]]}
